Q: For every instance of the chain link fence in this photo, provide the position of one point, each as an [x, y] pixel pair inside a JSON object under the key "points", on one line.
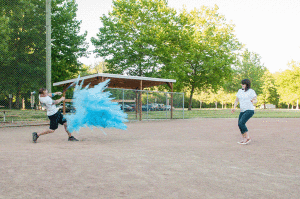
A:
{"points": [[22, 53], [23, 70], [22, 56], [155, 104]]}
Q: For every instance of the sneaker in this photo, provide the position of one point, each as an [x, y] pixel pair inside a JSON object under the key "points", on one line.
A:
{"points": [[72, 139], [245, 141], [34, 137], [248, 140], [241, 142]]}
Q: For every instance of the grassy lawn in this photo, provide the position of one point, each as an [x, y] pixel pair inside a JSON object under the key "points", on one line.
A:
{"points": [[216, 113], [24, 115], [36, 115]]}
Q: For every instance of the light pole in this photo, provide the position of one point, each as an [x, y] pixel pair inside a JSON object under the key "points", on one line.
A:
{"points": [[48, 45]]}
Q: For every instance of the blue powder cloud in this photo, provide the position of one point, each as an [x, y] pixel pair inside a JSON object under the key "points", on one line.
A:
{"points": [[94, 108]]}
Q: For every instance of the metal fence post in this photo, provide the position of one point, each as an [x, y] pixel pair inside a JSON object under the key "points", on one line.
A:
{"points": [[147, 105], [123, 102], [48, 45], [182, 106], [166, 104]]}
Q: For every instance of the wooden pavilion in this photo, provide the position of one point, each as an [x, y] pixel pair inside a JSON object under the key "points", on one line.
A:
{"points": [[120, 81]]}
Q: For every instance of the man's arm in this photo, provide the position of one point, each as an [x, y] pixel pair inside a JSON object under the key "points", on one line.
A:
{"points": [[59, 100], [53, 94]]}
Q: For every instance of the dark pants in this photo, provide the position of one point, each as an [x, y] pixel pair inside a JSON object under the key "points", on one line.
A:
{"points": [[56, 119], [243, 118]]}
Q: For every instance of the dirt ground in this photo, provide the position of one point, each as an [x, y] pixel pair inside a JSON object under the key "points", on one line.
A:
{"points": [[195, 158]]}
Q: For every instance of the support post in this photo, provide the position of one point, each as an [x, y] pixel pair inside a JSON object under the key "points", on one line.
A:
{"points": [[136, 104], [140, 99], [64, 102], [182, 105], [123, 101], [48, 45], [147, 106], [171, 100]]}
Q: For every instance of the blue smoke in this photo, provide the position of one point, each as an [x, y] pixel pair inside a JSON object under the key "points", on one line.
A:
{"points": [[94, 108]]}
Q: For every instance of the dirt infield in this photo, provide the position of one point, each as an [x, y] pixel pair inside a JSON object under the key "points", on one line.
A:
{"points": [[195, 158]]}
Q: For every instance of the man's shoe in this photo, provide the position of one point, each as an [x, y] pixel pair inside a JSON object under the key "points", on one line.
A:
{"points": [[34, 137], [72, 139]]}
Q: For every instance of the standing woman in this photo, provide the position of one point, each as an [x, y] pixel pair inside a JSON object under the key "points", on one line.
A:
{"points": [[247, 98]]}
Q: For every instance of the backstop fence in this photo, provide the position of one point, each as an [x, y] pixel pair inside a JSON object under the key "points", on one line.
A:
{"points": [[22, 53], [155, 104]]}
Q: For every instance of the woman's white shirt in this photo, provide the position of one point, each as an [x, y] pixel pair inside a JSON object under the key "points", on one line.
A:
{"points": [[245, 99]]}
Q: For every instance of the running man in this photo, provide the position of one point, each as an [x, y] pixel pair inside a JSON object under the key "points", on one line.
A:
{"points": [[247, 98], [53, 114]]}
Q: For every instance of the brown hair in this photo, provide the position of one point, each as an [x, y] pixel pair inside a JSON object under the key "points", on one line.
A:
{"points": [[248, 84], [41, 91]]}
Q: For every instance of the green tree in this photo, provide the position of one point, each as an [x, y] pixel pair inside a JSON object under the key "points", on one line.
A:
{"points": [[136, 37], [201, 96], [248, 66], [4, 36], [99, 67], [22, 61], [67, 44], [208, 49], [288, 84], [269, 91]]}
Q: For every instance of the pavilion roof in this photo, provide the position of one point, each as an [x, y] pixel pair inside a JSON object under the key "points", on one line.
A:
{"points": [[119, 81]]}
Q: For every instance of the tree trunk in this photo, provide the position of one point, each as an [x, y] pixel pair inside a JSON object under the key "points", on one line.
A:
{"points": [[23, 104], [18, 98], [191, 98]]}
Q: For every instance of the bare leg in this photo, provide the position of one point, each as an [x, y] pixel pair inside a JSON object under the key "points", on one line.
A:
{"points": [[246, 135], [46, 132], [66, 129]]}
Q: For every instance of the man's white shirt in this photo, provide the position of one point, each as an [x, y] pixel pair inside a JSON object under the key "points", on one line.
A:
{"points": [[48, 103]]}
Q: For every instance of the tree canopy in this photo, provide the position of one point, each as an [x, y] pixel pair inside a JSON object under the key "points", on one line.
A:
{"points": [[148, 38], [22, 33]]}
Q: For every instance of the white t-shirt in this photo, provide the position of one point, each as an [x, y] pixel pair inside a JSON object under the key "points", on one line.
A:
{"points": [[48, 103], [245, 99]]}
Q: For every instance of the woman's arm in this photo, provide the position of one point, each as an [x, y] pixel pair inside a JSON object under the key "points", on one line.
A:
{"points": [[254, 100], [235, 104]]}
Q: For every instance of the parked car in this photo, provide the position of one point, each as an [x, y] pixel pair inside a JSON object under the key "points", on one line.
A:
{"points": [[144, 108], [161, 107], [148, 107], [69, 108], [132, 106], [127, 108], [154, 107], [168, 107]]}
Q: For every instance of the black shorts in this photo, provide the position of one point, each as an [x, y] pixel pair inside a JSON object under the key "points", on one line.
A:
{"points": [[56, 119]]}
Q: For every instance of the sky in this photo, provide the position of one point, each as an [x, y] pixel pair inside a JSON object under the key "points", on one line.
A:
{"points": [[269, 28]]}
